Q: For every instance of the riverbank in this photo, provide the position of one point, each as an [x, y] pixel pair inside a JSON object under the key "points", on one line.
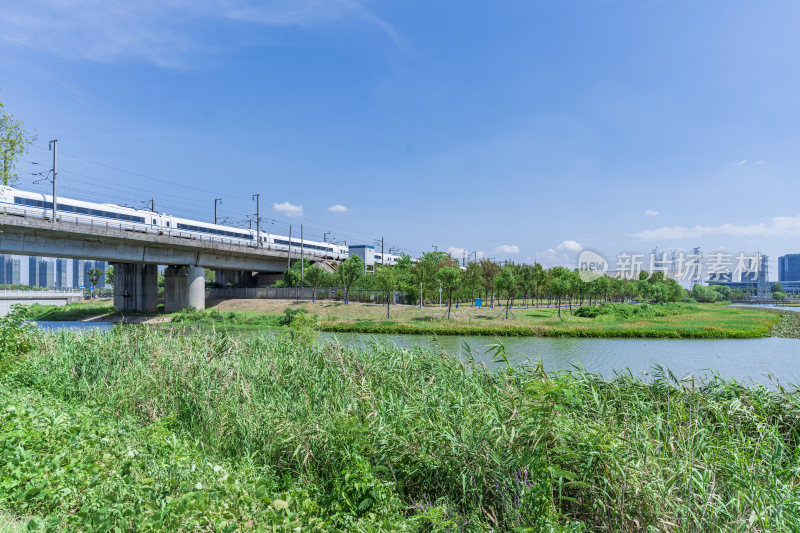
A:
{"points": [[214, 432], [667, 321], [193, 430], [697, 321]]}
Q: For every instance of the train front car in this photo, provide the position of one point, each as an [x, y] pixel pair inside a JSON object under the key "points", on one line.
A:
{"points": [[28, 203]]}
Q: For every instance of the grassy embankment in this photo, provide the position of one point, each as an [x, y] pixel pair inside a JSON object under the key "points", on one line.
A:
{"points": [[653, 321], [73, 311], [148, 429]]}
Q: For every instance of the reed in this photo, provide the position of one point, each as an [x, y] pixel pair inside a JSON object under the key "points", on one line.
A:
{"points": [[413, 438]]}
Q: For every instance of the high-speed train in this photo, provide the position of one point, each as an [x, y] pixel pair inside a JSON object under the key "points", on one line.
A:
{"points": [[18, 202]]}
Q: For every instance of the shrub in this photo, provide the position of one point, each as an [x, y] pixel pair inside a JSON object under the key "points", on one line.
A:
{"points": [[14, 335]]}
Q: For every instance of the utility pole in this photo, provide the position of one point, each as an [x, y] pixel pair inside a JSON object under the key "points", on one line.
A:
{"points": [[54, 146], [383, 255], [153, 205], [216, 200], [325, 236], [420, 295], [257, 198], [464, 259], [302, 279], [435, 248], [289, 253]]}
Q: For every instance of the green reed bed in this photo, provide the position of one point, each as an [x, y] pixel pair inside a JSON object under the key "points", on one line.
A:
{"points": [[387, 438]]}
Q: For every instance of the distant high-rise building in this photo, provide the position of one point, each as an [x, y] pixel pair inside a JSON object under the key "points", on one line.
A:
{"points": [[47, 274], [33, 271], [61, 274], [78, 273], [789, 267], [750, 272], [10, 271], [101, 266]]}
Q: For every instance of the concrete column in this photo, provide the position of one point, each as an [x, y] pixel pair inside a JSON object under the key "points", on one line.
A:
{"points": [[237, 278], [184, 287], [266, 279], [135, 287]]}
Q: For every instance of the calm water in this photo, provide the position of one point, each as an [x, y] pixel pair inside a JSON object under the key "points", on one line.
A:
{"points": [[749, 360], [743, 359]]}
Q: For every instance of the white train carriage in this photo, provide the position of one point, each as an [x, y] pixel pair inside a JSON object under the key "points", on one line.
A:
{"points": [[184, 227], [386, 259], [15, 201], [325, 250]]}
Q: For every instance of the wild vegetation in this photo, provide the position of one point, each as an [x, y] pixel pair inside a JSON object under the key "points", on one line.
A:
{"points": [[148, 429], [73, 311]]}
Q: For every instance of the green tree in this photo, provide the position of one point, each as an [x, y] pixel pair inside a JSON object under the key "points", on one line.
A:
{"points": [[540, 278], [425, 269], [776, 287], [471, 278], [209, 274], [14, 142], [489, 271], [350, 271], [449, 278], [560, 284], [387, 279], [293, 276], [109, 275], [314, 277], [94, 275], [724, 291], [527, 282], [506, 281]]}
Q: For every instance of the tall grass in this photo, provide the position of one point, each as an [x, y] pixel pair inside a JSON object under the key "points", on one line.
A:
{"points": [[418, 436]]}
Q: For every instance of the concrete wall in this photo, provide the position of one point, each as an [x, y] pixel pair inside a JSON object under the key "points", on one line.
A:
{"points": [[36, 297]]}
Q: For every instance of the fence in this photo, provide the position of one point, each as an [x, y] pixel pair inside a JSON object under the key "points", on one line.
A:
{"points": [[298, 293]]}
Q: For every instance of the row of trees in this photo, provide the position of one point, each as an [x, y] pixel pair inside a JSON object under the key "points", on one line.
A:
{"points": [[437, 273]]}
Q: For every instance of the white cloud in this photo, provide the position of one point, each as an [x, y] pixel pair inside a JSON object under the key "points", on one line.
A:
{"points": [[459, 253], [290, 210], [651, 212], [741, 163], [338, 208], [569, 246], [166, 33], [775, 227], [760, 162], [507, 249], [562, 254]]}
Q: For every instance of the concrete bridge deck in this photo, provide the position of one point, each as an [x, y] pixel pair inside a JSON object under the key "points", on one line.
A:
{"points": [[135, 251]]}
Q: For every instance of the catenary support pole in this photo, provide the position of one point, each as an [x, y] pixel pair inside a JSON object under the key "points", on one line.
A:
{"points": [[54, 146], [257, 198], [289, 253]]}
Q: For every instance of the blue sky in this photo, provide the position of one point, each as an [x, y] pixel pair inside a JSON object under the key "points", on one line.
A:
{"points": [[518, 129]]}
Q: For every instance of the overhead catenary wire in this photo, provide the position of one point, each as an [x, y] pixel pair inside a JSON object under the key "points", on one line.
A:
{"points": [[199, 212]]}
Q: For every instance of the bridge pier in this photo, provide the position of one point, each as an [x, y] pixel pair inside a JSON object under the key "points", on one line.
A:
{"points": [[236, 278], [184, 287], [135, 287]]}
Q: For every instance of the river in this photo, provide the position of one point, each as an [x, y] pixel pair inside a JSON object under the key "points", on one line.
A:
{"points": [[767, 361]]}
